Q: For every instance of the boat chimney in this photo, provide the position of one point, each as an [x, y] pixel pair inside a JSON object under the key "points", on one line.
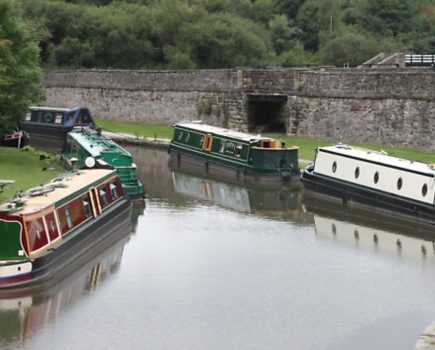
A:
{"points": [[73, 164], [99, 131]]}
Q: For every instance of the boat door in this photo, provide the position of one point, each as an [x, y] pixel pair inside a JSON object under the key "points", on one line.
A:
{"points": [[208, 141]]}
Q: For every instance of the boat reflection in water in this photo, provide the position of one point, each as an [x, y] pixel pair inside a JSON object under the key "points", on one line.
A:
{"points": [[281, 203], [25, 311], [365, 228]]}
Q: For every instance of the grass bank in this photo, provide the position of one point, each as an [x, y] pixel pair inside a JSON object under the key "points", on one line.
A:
{"points": [[25, 167], [307, 146]]}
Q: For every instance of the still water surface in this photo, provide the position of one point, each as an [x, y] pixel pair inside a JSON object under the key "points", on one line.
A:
{"points": [[210, 265]]}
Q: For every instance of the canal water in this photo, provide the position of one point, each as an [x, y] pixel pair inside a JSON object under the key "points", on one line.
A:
{"points": [[215, 265]]}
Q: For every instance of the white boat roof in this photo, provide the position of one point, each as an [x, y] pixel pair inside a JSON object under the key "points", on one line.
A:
{"points": [[51, 109], [381, 157], [222, 131], [67, 186]]}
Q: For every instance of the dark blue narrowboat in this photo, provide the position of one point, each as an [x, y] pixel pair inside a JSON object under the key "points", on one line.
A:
{"points": [[47, 126]]}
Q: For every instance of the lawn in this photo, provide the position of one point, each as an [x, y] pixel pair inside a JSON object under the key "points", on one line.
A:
{"points": [[136, 129], [307, 145], [25, 167]]}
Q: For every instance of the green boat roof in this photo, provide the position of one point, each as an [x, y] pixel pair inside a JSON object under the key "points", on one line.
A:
{"points": [[96, 143], [215, 130]]}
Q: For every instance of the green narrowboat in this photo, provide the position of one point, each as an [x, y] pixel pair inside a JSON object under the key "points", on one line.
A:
{"points": [[93, 149], [44, 230], [233, 155]]}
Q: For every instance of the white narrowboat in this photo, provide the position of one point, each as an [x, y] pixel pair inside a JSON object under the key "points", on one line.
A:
{"points": [[361, 176]]}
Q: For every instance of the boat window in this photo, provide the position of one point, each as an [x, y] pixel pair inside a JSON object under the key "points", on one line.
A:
{"points": [[103, 197], [266, 144], [238, 151], [424, 190], [188, 137], [357, 172], [68, 218], [334, 167], [37, 237], [87, 206], [113, 191], [68, 117], [180, 135], [376, 177], [222, 147], [48, 117], [28, 116], [399, 183], [58, 118], [53, 232]]}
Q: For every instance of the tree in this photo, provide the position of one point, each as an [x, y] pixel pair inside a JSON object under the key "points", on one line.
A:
{"points": [[19, 67]]}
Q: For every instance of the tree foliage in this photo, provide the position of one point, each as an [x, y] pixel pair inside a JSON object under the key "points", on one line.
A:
{"points": [[185, 34], [19, 66]]}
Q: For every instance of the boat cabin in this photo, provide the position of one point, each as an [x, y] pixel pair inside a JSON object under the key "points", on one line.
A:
{"points": [[47, 126], [90, 146]]}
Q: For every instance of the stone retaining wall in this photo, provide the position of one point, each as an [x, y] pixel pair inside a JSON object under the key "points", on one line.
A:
{"points": [[390, 106]]}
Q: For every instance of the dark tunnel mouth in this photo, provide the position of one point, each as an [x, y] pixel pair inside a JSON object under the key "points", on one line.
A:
{"points": [[266, 114]]}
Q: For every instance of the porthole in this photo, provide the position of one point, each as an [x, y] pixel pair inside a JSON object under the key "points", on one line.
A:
{"points": [[376, 177], [424, 190], [334, 229], [334, 167], [399, 183], [357, 172], [356, 234]]}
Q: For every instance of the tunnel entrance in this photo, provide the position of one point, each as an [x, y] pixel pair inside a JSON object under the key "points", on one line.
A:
{"points": [[266, 113]]}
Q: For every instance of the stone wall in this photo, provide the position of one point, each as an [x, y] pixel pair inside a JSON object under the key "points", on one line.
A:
{"points": [[390, 106]]}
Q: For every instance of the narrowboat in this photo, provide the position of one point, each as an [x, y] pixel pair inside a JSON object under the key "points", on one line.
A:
{"points": [[47, 126], [233, 155], [362, 177], [90, 146], [43, 230]]}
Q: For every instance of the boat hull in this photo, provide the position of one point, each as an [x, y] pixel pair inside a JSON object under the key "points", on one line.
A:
{"points": [[51, 139], [355, 195], [90, 237], [238, 173]]}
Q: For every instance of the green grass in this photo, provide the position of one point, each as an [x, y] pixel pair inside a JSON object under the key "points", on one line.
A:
{"points": [[307, 145], [136, 129], [25, 168]]}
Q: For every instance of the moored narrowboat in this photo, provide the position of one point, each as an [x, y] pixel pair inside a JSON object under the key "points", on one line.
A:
{"points": [[46, 228], [370, 178], [233, 155], [89, 146], [47, 126]]}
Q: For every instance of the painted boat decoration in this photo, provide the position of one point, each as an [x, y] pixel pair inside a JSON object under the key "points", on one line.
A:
{"points": [[47, 126], [89, 147], [233, 155], [364, 177], [45, 229]]}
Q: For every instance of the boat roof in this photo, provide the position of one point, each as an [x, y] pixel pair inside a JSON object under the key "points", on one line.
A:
{"points": [[95, 143], [52, 109], [380, 157], [65, 186], [216, 130]]}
